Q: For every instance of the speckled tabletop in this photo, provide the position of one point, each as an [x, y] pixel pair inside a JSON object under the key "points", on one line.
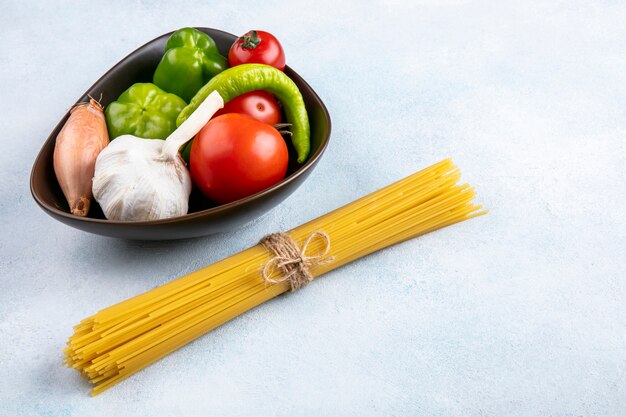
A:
{"points": [[518, 313]]}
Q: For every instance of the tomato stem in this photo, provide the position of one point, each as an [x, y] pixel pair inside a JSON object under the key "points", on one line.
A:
{"points": [[250, 40]]}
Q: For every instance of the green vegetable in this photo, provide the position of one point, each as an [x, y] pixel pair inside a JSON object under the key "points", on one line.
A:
{"points": [[186, 151], [244, 78], [191, 59], [144, 110]]}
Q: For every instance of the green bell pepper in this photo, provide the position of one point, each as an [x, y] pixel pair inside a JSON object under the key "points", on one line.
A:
{"points": [[191, 59], [144, 110]]}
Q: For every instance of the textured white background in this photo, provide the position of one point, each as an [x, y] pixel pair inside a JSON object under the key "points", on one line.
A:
{"points": [[519, 313]]}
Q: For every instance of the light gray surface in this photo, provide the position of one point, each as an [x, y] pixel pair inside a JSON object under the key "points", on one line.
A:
{"points": [[518, 313]]}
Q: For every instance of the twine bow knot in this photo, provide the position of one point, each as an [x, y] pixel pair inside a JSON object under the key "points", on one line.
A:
{"points": [[292, 260]]}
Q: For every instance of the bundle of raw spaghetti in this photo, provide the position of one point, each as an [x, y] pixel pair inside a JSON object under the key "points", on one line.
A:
{"points": [[125, 338]]}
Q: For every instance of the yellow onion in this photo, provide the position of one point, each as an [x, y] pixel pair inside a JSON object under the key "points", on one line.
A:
{"points": [[77, 146]]}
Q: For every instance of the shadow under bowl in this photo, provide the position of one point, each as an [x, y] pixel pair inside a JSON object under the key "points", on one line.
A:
{"points": [[204, 217]]}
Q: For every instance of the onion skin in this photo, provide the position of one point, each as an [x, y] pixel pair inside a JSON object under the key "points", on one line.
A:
{"points": [[77, 146]]}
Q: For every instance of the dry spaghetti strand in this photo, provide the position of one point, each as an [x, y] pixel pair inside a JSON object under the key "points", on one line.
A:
{"points": [[120, 340]]}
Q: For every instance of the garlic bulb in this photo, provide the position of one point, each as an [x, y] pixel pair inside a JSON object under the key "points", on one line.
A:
{"points": [[140, 179]]}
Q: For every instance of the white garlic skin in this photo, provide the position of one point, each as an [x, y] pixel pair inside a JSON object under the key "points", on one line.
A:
{"points": [[134, 181]]}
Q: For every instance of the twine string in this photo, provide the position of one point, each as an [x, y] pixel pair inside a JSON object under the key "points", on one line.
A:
{"points": [[292, 260]]}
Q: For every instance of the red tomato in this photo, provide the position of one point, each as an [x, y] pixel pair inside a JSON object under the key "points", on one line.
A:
{"points": [[235, 156], [259, 105], [257, 47]]}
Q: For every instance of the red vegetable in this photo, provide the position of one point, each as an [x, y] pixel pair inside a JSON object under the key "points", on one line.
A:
{"points": [[257, 47], [235, 156], [259, 105]]}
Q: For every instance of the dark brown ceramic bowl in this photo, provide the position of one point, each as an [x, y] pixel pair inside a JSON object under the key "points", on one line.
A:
{"points": [[203, 217]]}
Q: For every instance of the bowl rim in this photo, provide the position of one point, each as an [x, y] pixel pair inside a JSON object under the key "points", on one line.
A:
{"points": [[310, 162]]}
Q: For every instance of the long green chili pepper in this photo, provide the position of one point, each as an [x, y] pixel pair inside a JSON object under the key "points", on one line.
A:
{"points": [[244, 78]]}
